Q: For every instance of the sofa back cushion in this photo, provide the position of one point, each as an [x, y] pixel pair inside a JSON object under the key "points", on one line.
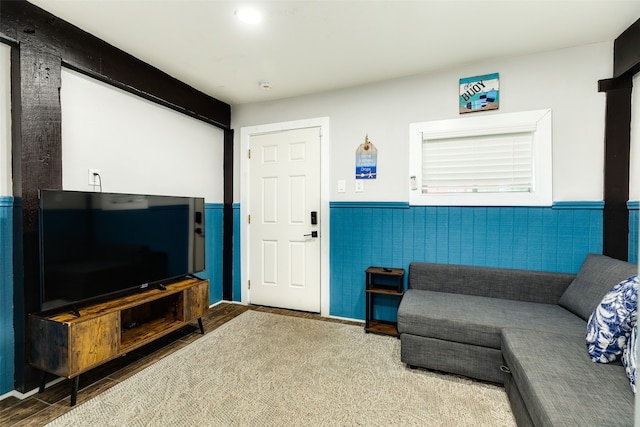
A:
{"points": [[596, 277], [522, 285]]}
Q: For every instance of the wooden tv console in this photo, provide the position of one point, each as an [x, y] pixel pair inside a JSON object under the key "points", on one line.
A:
{"points": [[67, 345]]}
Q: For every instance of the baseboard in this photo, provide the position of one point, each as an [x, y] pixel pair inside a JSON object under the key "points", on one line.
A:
{"points": [[347, 319], [22, 396], [226, 302]]}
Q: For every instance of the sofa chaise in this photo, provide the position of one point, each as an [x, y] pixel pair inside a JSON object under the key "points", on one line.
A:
{"points": [[524, 329]]}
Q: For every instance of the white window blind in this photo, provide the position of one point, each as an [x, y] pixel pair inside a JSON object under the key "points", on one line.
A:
{"points": [[484, 160], [495, 163]]}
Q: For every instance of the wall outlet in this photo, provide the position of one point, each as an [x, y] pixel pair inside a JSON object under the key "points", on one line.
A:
{"points": [[94, 178], [359, 185]]}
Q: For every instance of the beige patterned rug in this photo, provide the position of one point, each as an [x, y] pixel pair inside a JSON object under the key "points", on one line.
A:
{"points": [[264, 369]]}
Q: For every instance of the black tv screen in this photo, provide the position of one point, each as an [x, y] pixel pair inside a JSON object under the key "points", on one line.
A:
{"points": [[98, 244]]}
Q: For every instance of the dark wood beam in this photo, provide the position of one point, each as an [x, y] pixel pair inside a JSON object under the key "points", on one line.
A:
{"points": [[626, 63], [227, 246], [37, 163], [77, 49], [626, 51], [616, 166]]}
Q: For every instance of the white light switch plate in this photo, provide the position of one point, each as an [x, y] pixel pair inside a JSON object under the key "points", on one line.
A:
{"points": [[342, 186]]}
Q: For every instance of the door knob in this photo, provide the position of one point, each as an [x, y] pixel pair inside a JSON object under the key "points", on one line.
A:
{"points": [[313, 234]]}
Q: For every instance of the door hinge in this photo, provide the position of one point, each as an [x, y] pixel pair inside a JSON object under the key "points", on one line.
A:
{"points": [[249, 219], [249, 284], [249, 153]]}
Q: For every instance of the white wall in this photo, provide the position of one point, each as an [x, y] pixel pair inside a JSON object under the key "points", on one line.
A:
{"points": [[138, 146], [565, 81], [6, 187], [634, 178], [634, 169]]}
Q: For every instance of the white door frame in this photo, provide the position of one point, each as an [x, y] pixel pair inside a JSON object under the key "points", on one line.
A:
{"points": [[245, 135]]}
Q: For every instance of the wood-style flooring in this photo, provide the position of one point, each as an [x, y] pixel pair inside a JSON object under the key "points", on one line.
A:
{"points": [[41, 408]]}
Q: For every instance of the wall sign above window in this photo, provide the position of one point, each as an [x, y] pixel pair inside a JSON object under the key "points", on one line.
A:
{"points": [[480, 93]]}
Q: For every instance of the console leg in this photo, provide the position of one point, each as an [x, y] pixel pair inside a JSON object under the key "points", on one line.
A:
{"points": [[74, 389], [201, 326], [43, 382]]}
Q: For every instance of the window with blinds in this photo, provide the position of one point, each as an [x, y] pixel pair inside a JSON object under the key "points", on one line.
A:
{"points": [[482, 164], [484, 160]]}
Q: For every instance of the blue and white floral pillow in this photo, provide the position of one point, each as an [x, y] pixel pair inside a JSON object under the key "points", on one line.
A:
{"points": [[612, 321], [629, 357]]}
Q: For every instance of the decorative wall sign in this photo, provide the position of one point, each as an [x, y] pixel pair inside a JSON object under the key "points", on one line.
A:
{"points": [[480, 93], [366, 160]]}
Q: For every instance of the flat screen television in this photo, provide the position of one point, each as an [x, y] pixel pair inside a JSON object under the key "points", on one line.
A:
{"points": [[94, 245]]}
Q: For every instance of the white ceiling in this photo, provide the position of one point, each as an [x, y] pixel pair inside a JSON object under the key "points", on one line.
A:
{"points": [[307, 46]]}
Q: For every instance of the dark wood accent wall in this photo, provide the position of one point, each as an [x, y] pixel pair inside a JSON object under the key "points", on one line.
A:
{"points": [[626, 63], [41, 45]]}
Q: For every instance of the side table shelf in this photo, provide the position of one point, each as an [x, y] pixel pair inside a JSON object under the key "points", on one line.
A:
{"points": [[382, 281]]}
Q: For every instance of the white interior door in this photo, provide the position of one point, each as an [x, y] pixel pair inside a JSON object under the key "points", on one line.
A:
{"points": [[284, 197]]}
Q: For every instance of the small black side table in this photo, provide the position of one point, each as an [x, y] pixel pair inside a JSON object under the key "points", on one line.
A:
{"points": [[382, 281]]}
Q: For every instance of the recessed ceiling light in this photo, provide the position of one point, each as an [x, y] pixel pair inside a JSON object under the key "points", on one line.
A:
{"points": [[265, 85], [249, 15]]}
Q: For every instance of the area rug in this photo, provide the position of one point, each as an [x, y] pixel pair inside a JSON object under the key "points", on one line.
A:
{"points": [[263, 369]]}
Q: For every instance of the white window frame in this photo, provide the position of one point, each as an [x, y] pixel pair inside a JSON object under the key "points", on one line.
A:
{"points": [[537, 122]]}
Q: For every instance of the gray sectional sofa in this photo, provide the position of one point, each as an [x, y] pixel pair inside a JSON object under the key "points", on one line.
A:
{"points": [[524, 329]]}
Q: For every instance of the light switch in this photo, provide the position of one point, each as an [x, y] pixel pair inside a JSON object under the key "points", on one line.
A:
{"points": [[342, 186], [414, 183]]}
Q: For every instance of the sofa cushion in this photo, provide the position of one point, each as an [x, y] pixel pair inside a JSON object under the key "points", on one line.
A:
{"points": [[523, 285], [629, 358], [561, 386], [596, 277], [611, 322], [477, 320]]}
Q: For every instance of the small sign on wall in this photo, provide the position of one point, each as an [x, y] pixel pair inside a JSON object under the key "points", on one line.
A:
{"points": [[366, 160], [479, 93]]}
